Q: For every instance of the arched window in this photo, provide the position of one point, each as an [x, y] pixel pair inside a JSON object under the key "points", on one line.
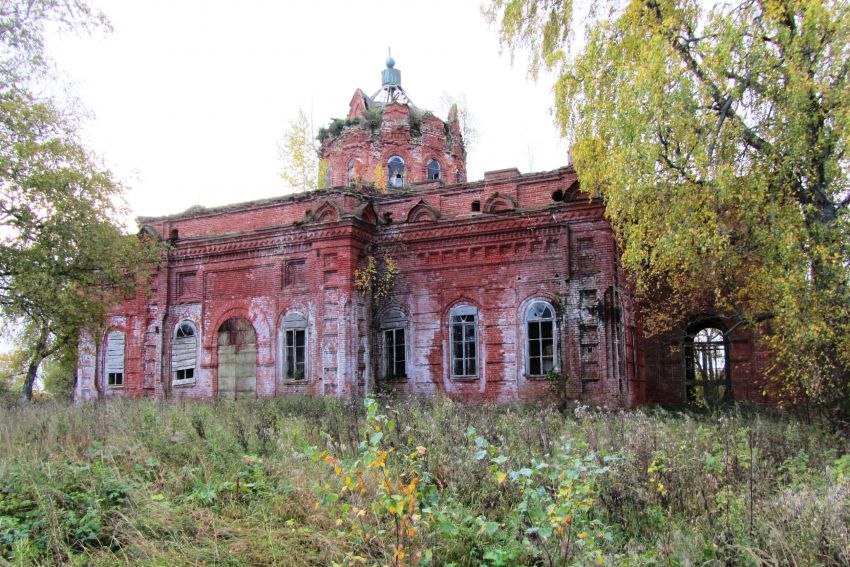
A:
{"points": [[114, 368], [329, 178], [707, 379], [395, 169], [463, 323], [184, 348], [394, 343], [541, 344], [457, 176], [294, 346], [433, 170], [353, 172]]}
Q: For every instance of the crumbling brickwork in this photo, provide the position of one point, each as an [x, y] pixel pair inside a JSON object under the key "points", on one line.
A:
{"points": [[508, 288]]}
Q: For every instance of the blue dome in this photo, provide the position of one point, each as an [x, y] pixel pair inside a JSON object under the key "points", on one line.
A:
{"points": [[390, 62]]}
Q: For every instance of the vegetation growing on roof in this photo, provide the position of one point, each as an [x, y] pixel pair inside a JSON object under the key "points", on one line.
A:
{"points": [[372, 118], [414, 120]]}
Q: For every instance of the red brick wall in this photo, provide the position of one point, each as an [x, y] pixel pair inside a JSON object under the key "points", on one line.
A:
{"points": [[262, 260]]}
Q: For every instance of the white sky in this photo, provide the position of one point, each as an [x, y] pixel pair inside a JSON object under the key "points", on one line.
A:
{"points": [[189, 97]]}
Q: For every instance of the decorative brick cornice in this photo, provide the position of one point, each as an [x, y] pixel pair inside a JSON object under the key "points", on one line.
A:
{"points": [[254, 244]]}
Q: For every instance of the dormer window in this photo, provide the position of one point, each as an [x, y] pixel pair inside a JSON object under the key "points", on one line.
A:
{"points": [[395, 167], [433, 170]]}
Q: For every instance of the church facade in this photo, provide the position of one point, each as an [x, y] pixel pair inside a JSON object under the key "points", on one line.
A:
{"points": [[402, 275]]}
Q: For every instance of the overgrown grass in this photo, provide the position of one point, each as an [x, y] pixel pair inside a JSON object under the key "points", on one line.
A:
{"points": [[298, 481]]}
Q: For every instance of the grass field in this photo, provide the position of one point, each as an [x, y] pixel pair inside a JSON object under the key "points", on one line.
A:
{"points": [[406, 482]]}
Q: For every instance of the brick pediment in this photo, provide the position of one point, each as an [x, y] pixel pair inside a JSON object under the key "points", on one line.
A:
{"points": [[327, 212], [499, 203], [423, 212], [366, 213]]}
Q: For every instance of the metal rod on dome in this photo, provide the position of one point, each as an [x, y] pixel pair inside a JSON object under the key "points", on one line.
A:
{"points": [[391, 84]]}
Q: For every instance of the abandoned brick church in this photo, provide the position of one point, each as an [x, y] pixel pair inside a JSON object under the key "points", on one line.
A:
{"points": [[503, 288]]}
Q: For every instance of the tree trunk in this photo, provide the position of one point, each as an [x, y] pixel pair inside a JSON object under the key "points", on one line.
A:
{"points": [[39, 352]]}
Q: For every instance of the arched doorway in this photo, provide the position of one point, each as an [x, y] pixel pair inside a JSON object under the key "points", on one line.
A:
{"points": [[237, 360], [706, 359]]}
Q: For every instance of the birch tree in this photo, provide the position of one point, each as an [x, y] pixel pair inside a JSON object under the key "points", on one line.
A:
{"points": [[718, 137]]}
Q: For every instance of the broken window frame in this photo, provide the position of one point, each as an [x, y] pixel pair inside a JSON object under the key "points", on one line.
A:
{"points": [[294, 347], [113, 367], [434, 170], [463, 324], [183, 372], [394, 345], [536, 324], [395, 163], [705, 348], [351, 172]]}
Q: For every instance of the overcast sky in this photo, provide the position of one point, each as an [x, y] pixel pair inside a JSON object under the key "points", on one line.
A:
{"points": [[188, 97]]}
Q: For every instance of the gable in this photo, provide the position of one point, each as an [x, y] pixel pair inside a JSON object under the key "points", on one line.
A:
{"points": [[423, 212], [499, 203]]}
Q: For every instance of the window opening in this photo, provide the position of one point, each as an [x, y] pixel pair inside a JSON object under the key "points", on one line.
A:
{"points": [[352, 172], [540, 326], [183, 352], [115, 359], [457, 176], [394, 359], [295, 347], [395, 166], [464, 331], [476, 206], [433, 170], [706, 369]]}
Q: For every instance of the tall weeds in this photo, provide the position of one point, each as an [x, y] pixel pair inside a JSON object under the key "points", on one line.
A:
{"points": [[440, 483]]}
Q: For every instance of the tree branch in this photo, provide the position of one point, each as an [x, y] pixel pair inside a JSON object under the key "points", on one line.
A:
{"points": [[750, 137]]}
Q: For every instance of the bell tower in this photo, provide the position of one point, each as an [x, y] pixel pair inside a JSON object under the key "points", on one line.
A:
{"points": [[388, 143]]}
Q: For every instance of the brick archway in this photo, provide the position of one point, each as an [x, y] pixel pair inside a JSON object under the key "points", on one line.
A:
{"points": [[237, 359]]}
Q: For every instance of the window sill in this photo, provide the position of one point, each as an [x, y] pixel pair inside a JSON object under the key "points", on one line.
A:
{"points": [[292, 381], [538, 377], [179, 383], [115, 386], [465, 378]]}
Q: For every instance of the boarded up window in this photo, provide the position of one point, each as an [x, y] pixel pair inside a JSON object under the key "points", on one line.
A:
{"points": [[115, 359], [184, 352]]}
